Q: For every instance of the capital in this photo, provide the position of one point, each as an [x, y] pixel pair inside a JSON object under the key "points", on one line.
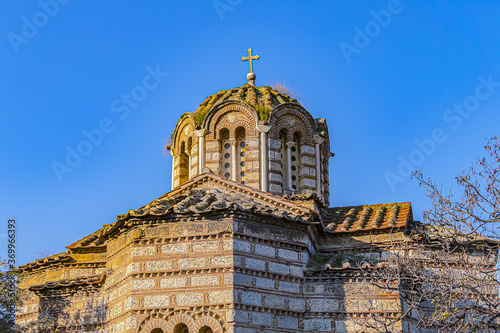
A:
{"points": [[263, 128], [200, 133], [318, 139], [290, 144]]}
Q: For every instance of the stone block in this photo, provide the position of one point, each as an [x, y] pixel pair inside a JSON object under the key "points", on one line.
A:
{"points": [[264, 250], [156, 301], [308, 171], [324, 305], [254, 142], [251, 298], [189, 299], [173, 282], [307, 160], [212, 145], [274, 155], [142, 284], [241, 245], [279, 268], [287, 322], [205, 280], [287, 254], [308, 150], [273, 143], [206, 246], [187, 263], [274, 188], [317, 324], [133, 268], [175, 248], [221, 297], [275, 166], [274, 177], [289, 287], [222, 261], [158, 265], [264, 283], [255, 264], [140, 251]]}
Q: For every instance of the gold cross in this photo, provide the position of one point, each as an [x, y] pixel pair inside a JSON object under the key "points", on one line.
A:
{"points": [[250, 58]]}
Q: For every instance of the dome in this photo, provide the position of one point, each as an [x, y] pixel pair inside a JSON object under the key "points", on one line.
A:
{"points": [[259, 137], [262, 99]]}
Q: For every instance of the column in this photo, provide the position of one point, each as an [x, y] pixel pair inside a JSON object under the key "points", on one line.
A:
{"points": [[201, 149], [318, 140], [234, 169], [289, 146], [173, 167], [264, 157], [188, 153]]}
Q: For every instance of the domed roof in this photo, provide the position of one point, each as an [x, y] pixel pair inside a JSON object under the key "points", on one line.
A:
{"points": [[262, 99]]}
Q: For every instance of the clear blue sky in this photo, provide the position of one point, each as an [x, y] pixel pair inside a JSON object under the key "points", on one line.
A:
{"points": [[382, 73]]}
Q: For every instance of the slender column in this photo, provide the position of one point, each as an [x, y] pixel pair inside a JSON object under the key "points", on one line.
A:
{"points": [[188, 153], [201, 149], [318, 140], [233, 159], [289, 146], [173, 167], [264, 157]]}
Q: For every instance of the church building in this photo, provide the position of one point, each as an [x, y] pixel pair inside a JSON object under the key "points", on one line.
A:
{"points": [[248, 240]]}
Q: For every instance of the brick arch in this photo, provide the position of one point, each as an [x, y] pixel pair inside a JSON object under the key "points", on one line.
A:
{"points": [[305, 121], [186, 122], [298, 127], [210, 322], [181, 318], [148, 325], [217, 118]]}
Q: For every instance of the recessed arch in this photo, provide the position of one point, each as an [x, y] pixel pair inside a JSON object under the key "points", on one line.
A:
{"points": [[157, 330], [181, 328], [227, 114], [205, 329]]}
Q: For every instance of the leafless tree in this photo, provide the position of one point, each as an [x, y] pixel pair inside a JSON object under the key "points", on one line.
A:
{"points": [[445, 273]]}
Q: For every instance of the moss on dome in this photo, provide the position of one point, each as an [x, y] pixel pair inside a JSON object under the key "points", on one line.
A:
{"points": [[262, 99]]}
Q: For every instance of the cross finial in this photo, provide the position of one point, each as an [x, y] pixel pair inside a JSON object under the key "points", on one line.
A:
{"points": [[251, 74]]}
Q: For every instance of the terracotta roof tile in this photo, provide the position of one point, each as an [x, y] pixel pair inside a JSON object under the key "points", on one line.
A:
{"points": [[367, 217], [80, 281]]}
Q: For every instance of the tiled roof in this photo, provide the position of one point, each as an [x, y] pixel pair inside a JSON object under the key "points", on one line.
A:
{"points": [[80, 281], [55, 258], [209, 192], [196, 197], [367, 217]]}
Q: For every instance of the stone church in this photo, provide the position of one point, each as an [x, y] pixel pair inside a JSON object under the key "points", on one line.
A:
{"points": [[246, 241]]}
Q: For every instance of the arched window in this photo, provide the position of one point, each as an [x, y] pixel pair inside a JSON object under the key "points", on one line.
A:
{"points": [[157, 330], [189, 147], [205, 329], [295, 160], [284, 166], [181, 328], [240, 155], [225, 152], [183, 164]]}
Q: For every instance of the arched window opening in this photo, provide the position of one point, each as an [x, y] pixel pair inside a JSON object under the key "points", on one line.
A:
{"points": [[205, 329], [189, 149], [181, 328], [240, 155], [295, 160], [157, 330], [284, 166], [183, 164], [225, 151]]}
